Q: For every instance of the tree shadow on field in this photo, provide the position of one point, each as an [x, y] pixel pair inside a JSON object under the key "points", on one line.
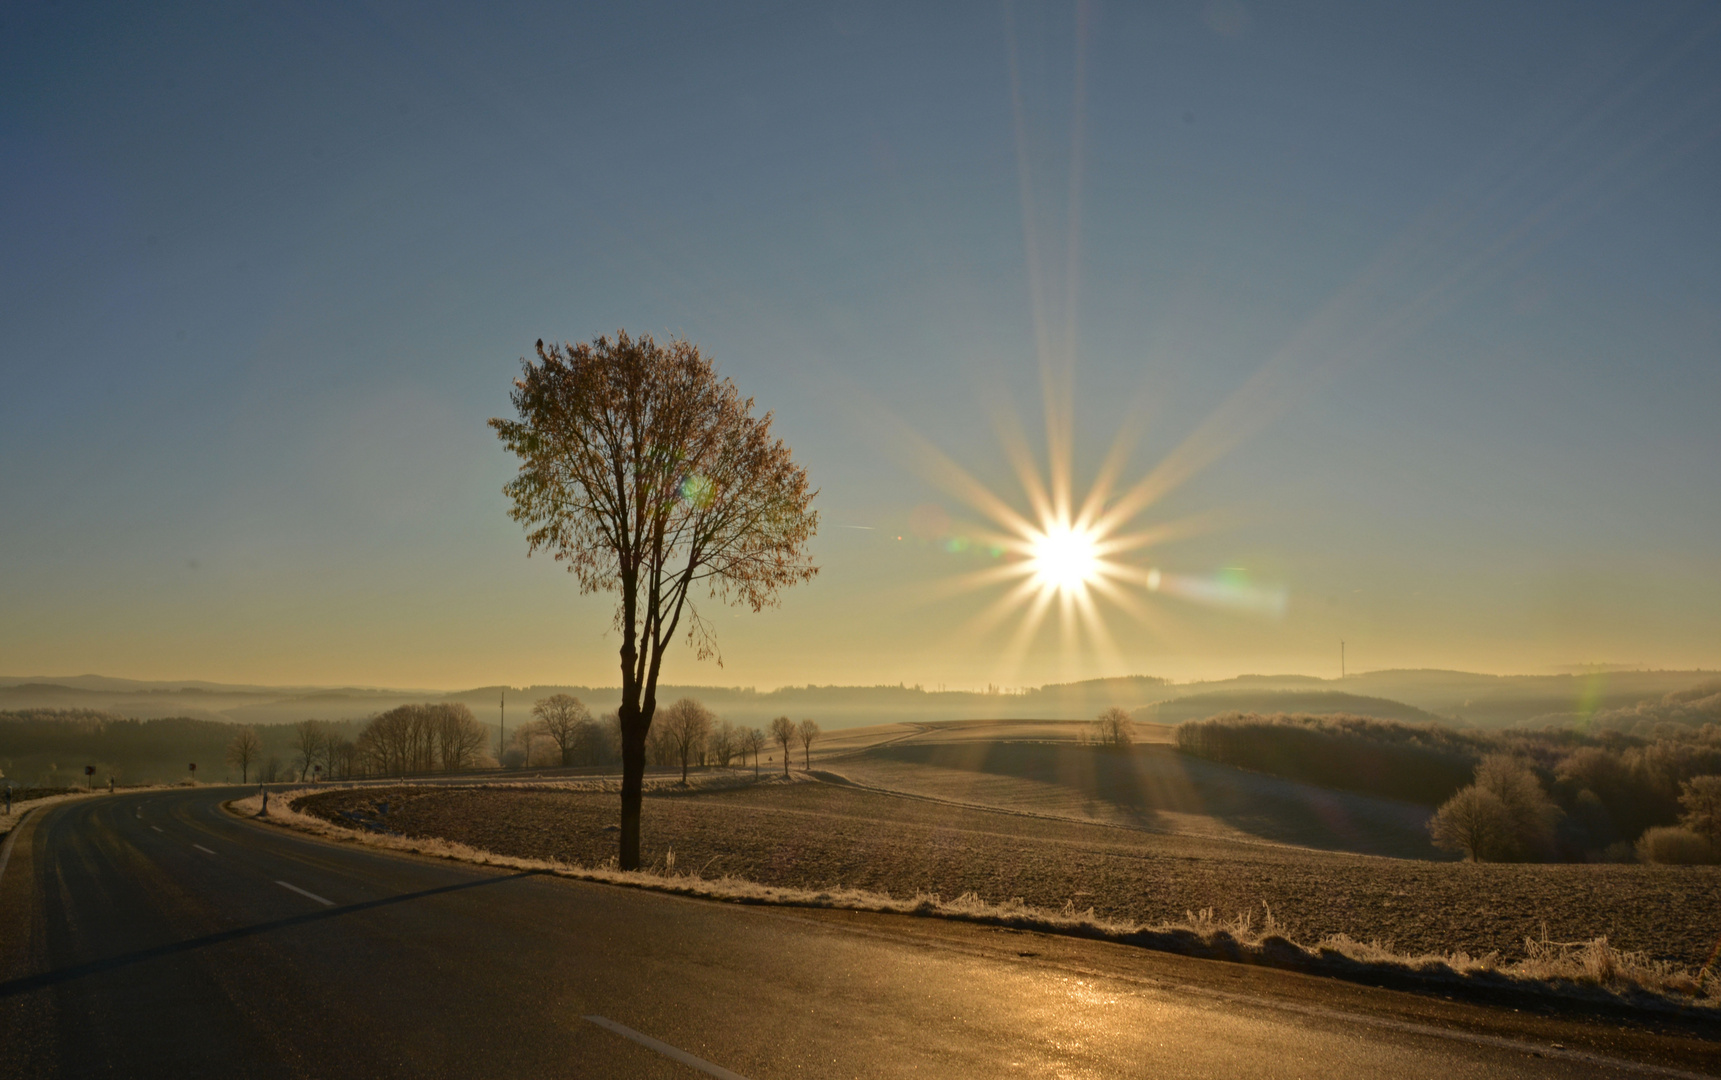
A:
{"points": [[1146, 785]]}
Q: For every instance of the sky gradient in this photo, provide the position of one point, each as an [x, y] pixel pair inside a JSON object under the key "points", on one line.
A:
{"points": [[1423, 305]]}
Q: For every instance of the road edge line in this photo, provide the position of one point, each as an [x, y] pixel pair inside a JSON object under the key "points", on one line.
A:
{"points": [[671, 1052], [305, 892]]}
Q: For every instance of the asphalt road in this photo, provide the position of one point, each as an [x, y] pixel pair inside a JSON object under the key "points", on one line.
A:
{"points": [[156, 935]]}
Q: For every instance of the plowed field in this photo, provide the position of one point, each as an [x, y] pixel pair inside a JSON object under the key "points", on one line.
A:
{"points": [[820, 835]]}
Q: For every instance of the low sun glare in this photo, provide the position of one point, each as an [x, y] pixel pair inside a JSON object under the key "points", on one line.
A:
{"points": [[1064, 559]]}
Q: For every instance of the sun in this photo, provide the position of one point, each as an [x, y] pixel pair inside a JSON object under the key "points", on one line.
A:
{"points": [[1064, 559]]}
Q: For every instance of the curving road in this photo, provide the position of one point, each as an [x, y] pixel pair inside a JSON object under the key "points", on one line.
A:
{"points": [[156, 935]]}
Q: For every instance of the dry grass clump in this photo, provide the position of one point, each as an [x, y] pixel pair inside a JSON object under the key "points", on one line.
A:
{"points": [[1591, 970]]}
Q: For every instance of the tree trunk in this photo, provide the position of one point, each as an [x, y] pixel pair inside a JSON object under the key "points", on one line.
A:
{"points": [[632, 786]]}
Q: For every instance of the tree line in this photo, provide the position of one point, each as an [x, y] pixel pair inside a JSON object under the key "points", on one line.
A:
{"points": [[1555, 794], [685, 734]]}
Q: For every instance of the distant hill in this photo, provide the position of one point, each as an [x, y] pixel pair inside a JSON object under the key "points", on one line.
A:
{"points": [[1310, 702], [1455, 697]]}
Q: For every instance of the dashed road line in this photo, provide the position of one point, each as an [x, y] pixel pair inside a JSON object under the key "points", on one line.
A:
{"points": [[203, 849], [157, 828], [668, 1051], [302, 892]]}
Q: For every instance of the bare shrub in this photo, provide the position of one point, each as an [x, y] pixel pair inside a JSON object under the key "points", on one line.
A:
{"points": [[1674, 846], [1475, 823]]}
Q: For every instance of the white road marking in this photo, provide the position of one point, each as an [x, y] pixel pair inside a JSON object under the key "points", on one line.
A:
{"points": [[666, 1050], [157, 828], [302, 892], [203, 849]]}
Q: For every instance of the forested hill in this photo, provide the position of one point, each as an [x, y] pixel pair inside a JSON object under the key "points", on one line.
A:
{"points": [[51, 748], [1466, 699]]}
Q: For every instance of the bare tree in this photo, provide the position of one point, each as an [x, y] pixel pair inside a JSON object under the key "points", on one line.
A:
{"points": [[563, 716], [308, 745], [784, 732], [243, 750], [343, 756], [459, 736], [686, 724], [1114, 729], [648, 475], [723, 743], [807, 732], [752, 741], [531, 740]]}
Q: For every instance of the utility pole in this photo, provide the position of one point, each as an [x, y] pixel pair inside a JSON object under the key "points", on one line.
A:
{"points": [[1341, 660], [502, 727]]}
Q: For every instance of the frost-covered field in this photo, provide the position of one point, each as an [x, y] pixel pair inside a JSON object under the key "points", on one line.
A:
{"points": [[819, 836]]}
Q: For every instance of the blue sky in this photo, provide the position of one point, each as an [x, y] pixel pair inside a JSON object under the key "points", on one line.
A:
{"points": [[1440, 281]]}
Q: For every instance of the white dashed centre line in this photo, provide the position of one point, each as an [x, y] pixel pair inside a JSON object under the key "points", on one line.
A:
{"points": [[302, 892], [203, 849], [157, 828], [668, 1051]]}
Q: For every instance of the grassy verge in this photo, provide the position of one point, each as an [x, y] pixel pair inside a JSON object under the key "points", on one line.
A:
{"points": [[8, 822], [1590, 972]]}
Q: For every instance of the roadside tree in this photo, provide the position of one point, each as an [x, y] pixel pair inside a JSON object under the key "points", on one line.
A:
{"points": [[650, 477], [245, 748], [308, 744], [784, 733]]}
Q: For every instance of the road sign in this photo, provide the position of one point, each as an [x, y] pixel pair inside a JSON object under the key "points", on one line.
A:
{"points": [[89, 770]]}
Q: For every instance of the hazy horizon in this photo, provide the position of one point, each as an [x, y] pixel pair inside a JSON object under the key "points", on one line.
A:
{"points": [[981, 689], [1398, 326]]}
